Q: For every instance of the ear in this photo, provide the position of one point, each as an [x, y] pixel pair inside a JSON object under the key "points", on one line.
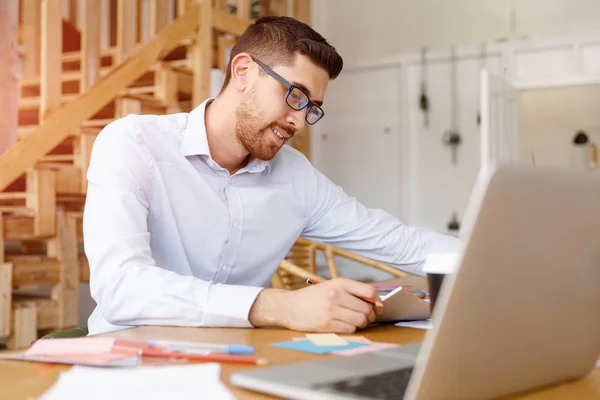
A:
{"points": [[241, 67]]}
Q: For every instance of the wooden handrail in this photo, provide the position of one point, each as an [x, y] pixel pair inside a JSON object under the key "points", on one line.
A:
{"points": [[69, 118]]}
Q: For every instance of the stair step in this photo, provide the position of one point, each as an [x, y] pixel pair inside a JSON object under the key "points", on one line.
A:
{"points": [[31, 103], [66, 76], [34, 270], [13, 196], [46, 309], [74, 56], [140, 90], [19, 227], [92, 123], [57, 158], [17, 210]]}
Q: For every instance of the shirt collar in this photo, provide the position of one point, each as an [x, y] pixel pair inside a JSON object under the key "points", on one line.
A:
{"points": [[194, 140]]}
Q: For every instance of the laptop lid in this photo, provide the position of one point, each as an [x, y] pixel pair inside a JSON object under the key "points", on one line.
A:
{"points": [[522, 310]]}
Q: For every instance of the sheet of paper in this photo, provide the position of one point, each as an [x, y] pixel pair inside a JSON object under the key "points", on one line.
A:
{"points": [[87, 345], [309, 347], [326, 339], [357, 339], [366, 349], [422, 324], [172, 382]]}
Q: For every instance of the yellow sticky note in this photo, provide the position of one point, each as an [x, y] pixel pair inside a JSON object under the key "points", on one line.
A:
{"points": [[357, 339], [326, 339]]}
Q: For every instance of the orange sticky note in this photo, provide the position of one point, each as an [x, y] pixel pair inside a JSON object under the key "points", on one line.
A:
{"points": [[357, 339]]}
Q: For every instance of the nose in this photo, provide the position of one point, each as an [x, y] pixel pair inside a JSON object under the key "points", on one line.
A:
{"points": [[296, 119]]}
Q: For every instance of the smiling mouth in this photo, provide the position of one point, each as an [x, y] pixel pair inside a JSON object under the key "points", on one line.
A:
{"points": [[281, 135]]}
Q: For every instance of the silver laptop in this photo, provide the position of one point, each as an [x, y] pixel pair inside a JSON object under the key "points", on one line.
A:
{"points": [[521, 312]]}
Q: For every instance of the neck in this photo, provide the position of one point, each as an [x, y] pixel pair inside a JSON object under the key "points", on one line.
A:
{"points": [[225, 148]]}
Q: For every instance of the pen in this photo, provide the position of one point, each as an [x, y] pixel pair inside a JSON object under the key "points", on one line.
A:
{"points": [[212, 347], [367, 299], [187, 356]]}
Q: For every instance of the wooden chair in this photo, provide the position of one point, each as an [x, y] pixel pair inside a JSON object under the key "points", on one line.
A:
{"points": [[300, 264]]}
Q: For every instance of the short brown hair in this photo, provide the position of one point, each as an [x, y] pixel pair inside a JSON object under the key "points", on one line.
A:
{"points": [[276, 40]]}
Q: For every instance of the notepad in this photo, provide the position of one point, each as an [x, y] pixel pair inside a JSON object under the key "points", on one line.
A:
{"points": [[402, 305], [326, 339], [309, 347]]}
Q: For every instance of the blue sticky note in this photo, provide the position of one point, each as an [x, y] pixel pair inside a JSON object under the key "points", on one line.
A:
{"points": [[309, 347]]}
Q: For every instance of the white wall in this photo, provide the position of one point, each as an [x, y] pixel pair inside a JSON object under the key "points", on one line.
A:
{"points": [[370, 29]]}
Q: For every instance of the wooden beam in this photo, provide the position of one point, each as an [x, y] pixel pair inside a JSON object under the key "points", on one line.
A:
{"points": [[5, 298], [9, 66], [64, 248], [50, 86], [70, 117], [18, 227], [31, 36], [41, 198], [228, 23], [68, 179], [90, 49], [159, 15], [202, 54], [127, 29]]}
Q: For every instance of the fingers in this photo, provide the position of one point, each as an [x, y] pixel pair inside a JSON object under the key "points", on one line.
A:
{"points": [[361, 289], [355, 304], [351, 317]]}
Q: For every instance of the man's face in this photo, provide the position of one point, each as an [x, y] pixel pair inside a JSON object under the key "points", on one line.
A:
{"points": [[264, 121]]}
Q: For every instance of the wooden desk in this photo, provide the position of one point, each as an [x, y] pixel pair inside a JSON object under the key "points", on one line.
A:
{"points": [[19, 380]]}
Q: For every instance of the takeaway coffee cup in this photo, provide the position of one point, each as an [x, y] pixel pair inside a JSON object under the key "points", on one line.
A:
{"points": [[437, 266]]}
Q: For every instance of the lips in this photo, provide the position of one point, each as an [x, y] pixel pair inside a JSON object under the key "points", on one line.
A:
{"points": [[280, 133]]}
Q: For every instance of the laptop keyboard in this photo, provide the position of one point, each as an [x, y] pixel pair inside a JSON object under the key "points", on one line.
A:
{"points": [[384, 386]]}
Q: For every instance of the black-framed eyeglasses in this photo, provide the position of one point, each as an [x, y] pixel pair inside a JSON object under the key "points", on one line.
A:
{"points": [[295, 97]]}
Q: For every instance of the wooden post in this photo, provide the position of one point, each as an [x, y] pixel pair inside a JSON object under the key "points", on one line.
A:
{"points": [[202, 55], [5, 298], [83, 151], [73, 12], [41, 198], [64, 248], [1, 239], [9, 73], [243, 8], [168, 88], [51, 62], [159, 15], [9, 64], [126, 29], [90, 49], [182, 6], [31, 36], [24, 325], [302, 139]]}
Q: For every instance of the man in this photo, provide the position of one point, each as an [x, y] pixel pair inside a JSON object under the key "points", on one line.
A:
{"points": [[188, 216]]}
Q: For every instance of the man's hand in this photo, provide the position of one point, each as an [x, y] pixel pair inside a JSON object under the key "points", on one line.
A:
{"points": [[331, 306]]}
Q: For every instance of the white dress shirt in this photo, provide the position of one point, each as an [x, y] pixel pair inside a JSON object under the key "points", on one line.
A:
{"points": [[174, 239]]}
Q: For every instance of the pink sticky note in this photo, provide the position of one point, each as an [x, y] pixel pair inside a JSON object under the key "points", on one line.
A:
{"points": [[86, 345], [365, 349]]}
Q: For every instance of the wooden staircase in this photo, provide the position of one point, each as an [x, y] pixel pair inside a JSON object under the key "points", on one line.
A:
{"points": [[64, 102]]}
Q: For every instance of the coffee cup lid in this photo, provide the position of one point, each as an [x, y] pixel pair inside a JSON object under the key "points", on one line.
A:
{"points": [[441, 263]]}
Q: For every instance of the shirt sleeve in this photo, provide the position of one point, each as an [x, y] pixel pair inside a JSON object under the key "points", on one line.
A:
{"points": [[127, 285], [342, 221]]}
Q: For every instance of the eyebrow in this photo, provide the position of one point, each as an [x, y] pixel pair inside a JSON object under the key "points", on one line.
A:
{"points": [[307, 91]]}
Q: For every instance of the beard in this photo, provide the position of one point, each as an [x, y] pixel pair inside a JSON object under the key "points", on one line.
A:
{"points": [[253, 133]]}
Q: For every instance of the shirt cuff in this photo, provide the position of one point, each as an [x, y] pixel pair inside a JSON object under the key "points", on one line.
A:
{"points": [[229, 305]]}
